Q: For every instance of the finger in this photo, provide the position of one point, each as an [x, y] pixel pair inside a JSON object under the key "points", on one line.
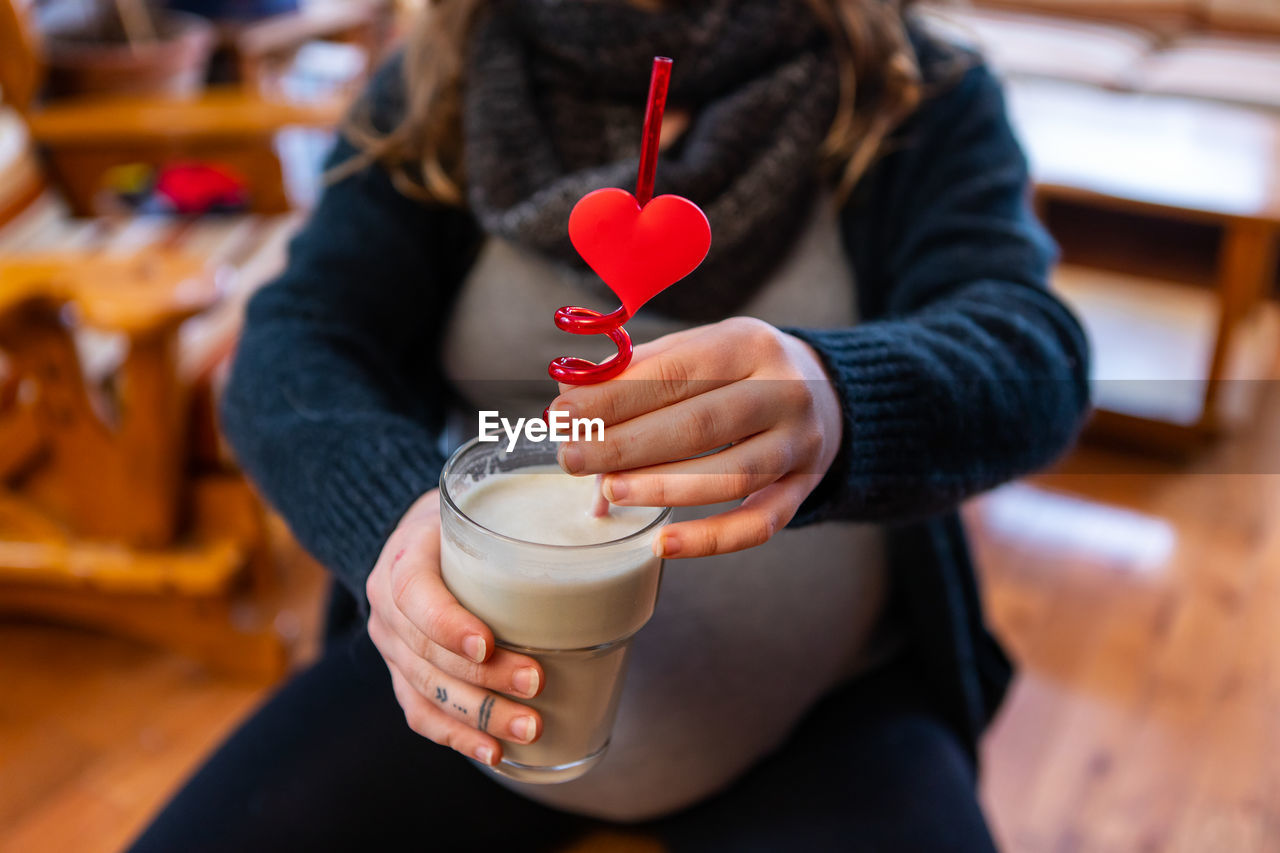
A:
{"points": [[731, 474], [505, 671], [694, 365], [434, 725], [646, 350], [464, 702], [419, 593], [710, 420], [667, 342], [752, 523]]}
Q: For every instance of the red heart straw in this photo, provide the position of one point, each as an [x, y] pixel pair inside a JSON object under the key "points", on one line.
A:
{"points": [[584, 321]]}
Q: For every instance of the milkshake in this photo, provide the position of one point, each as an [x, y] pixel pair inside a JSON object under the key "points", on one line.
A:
{"points": [[521, 550]]}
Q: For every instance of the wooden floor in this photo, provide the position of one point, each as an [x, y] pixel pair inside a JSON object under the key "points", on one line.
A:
{"points": [[1143, 603], [96, 731], [1142, 599]]}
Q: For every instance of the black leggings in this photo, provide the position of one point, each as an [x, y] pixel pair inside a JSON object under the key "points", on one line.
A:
{"points": [[329, 764]]}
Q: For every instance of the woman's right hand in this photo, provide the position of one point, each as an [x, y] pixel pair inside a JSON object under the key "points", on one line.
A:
{"points": [[445, 669]]}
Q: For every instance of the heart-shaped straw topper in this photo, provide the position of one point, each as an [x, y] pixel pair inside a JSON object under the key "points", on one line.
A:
{"points": [[639, 245], [639, 251]]}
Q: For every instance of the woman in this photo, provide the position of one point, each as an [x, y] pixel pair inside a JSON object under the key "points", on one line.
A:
{"points": [[871, 338]]}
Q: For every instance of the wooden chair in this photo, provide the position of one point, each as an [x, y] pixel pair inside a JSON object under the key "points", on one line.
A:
{"points": [[117, 509], [83, 138]]}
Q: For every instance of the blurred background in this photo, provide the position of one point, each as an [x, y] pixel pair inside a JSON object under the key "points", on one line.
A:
{"points": [[155, 158]]}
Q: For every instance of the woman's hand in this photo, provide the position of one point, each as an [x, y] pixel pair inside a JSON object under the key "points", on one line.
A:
{"points": [[445, 669], [740, 382]]}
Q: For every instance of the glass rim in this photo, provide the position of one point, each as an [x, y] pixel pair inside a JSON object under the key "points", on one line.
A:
{"points": [[662, 516]]}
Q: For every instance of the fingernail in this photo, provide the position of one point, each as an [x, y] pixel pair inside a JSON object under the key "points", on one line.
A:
{"points": [[668, 545], [571, 459], [525, 681], [557, 406], [615, 489], [474, 647], [524, 728], [484, 754]]}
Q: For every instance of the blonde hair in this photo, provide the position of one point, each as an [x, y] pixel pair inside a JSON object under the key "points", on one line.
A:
{"points": [[880, 85]]}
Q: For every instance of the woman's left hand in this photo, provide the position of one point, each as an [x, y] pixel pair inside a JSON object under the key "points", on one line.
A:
{"points": [[741, 385]]}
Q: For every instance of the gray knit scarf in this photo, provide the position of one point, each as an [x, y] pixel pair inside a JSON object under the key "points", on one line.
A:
{"points": [[554, 108]]}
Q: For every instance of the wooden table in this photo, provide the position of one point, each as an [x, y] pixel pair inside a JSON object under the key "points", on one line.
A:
{"points": [[1173, 159]]}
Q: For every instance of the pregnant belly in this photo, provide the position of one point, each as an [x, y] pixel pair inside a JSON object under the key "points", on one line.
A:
{"points": [[739, 648]]}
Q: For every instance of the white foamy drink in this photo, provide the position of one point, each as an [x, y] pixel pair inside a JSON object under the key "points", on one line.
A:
{"points": [[522, 551]]}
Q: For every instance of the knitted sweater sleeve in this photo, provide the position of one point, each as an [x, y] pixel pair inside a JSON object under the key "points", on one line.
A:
{"points": [[326, 408], [969, 372]]}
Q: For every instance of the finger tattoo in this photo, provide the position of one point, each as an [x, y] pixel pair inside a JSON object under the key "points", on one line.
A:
{"points": [[486, 709]]}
